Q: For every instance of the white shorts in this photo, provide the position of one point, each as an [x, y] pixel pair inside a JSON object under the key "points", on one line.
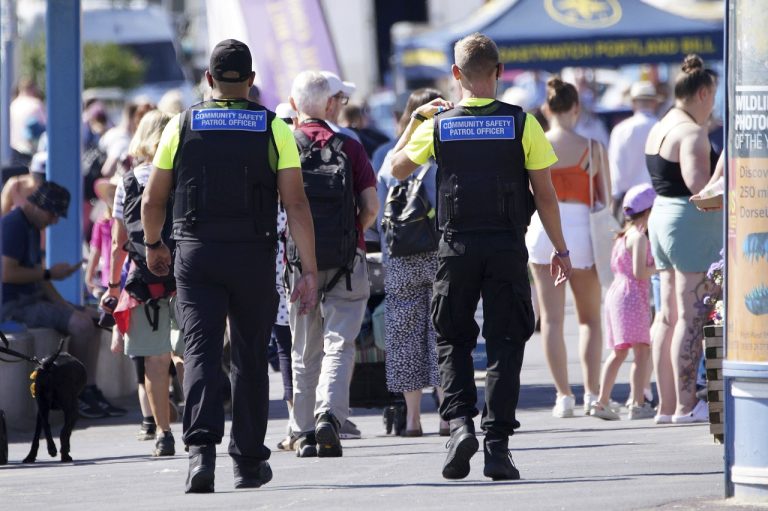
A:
{"points": [[574, 219]]}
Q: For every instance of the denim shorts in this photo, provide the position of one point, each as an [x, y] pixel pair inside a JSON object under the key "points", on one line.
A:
{"points": [[36, 311]]}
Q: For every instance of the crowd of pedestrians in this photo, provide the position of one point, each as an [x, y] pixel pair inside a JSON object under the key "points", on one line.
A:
{"points": [[191, 214]]}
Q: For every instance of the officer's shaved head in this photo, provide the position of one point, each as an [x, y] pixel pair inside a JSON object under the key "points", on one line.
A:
{"points": [[476, 55]]}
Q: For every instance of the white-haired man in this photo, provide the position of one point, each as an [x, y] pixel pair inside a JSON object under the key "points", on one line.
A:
{"points": [[341, 187], [626, 150]]}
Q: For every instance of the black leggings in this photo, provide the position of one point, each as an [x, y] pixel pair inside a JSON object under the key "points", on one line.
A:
{"points": [[138, 365], [283, 340]]}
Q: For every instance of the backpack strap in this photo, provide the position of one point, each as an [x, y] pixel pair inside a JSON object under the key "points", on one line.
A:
{"points": [[302, 140], [345, 272], [152, 312], [423, 173], [337, 143]]}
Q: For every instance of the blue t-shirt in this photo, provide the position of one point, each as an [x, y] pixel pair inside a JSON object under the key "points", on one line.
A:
{"points": [[21, 241]]}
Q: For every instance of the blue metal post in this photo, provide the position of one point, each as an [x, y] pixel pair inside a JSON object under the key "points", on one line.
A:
{"points": [[7, 75], [63, 88]]}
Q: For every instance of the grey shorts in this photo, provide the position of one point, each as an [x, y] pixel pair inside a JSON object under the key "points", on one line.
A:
{"points": [[36, 311], [141, 340]]}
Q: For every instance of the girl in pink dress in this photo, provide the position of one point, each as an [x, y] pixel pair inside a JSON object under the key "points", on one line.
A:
{"points": [[627, 307]]}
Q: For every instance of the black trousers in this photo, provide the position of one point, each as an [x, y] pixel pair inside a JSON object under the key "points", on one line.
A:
{"points": [[215, 281], [284, 340], [493, 266]]}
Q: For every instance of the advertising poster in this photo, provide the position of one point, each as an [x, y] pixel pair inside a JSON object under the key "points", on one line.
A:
{"points": [[747, 304]]}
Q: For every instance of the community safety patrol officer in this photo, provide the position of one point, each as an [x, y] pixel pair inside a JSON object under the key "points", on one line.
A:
{"points": [[226, 160], [487, 152]]}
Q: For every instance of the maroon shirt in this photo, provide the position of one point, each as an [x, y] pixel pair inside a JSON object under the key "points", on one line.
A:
{"points": [[362, 173]]}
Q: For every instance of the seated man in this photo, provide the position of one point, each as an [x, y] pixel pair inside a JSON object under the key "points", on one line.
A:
{"points": [[18, 188], [30, 298]]}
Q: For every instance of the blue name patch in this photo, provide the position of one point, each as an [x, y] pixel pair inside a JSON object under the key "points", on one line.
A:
{"points": [[229, 119], [477, 128]]}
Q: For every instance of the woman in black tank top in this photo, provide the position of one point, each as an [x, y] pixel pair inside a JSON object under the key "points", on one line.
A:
{"points": [[667, 176], [684, 241]]}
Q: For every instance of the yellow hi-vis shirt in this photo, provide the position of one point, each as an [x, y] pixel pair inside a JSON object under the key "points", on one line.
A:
{"points": [[539, 153]]}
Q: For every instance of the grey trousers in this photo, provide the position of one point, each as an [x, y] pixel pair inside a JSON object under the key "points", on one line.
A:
{"points": [[323, 353]]}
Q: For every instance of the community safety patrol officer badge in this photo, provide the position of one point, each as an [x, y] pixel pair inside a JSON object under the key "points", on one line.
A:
{"points": [[584, 13], [229, 119], [477, 128]]}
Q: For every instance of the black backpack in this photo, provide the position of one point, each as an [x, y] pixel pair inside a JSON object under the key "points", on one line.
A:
{"points": [[409, 218], [136, 284], [93, 160], [329, 188]]}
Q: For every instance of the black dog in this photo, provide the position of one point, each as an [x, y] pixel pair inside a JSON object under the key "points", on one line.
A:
{"points": [[56, 384]]}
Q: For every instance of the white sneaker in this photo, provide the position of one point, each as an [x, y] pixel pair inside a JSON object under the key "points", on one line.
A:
{"points": [[648, 394], [349, 431], [564, 406], [588, 400], [641, 412], [662, 419], [603, 412], [700, 413]]}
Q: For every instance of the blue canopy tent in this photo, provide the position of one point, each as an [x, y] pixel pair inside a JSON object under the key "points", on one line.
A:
{"points": [[552, 34]]}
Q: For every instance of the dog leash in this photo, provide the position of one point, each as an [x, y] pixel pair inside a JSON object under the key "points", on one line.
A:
{"points": [[8, 351]]}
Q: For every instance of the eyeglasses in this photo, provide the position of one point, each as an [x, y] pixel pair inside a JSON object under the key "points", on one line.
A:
{"points": [[342, 98]]}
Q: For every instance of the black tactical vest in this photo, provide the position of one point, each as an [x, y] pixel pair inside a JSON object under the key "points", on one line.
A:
{"points": [[225, 177], [482, 183]]}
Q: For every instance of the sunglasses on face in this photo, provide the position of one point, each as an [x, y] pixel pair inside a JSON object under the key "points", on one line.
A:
{"points": [[341, 98]]}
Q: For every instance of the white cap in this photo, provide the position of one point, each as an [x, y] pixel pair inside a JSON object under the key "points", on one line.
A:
{"points": [[518, 96], [643, 90], [284, 111], [336, 85], [38, 163]]}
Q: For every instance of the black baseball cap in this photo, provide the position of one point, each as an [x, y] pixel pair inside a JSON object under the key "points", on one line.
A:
{"points": [[51, 197], [228, 57]]}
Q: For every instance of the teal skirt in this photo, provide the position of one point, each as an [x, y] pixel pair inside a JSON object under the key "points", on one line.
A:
{"points": [[682, 237]]}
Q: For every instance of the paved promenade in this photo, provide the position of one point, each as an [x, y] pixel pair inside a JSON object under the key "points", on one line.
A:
{"points": [[578, 463]]}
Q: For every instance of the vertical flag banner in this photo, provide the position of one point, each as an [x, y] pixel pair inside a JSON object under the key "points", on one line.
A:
{"points": [[285, 38]]}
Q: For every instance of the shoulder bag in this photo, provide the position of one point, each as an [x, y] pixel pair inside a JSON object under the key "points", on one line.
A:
{"points": [[602, 226]]}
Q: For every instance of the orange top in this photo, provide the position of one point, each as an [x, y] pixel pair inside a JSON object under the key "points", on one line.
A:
{"points": [[572, 183]]}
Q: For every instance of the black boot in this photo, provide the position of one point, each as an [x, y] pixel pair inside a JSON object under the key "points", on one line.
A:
{"points": [[202, 464], [498, 461], [461, 447], [327, 436], [251, 475], [306, 446]]}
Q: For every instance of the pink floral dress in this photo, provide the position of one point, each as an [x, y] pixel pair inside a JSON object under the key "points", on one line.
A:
{"points": [[627, 302]]}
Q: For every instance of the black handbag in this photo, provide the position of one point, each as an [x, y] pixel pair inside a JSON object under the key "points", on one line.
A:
{"points": [[409, 218]]}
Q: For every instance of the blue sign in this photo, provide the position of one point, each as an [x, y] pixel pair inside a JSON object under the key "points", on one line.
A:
{"points": [[229, 119], [477, 128]]}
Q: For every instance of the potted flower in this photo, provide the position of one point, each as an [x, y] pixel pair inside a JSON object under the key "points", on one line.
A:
{"points": [[713, 348]]}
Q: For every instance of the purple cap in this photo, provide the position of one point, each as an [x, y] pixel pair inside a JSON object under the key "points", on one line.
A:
{"points": [[638, 199]]}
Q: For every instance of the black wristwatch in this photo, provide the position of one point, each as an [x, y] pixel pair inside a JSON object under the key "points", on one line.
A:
{"points": [[418, 117], [46, 274], [153, 246]]}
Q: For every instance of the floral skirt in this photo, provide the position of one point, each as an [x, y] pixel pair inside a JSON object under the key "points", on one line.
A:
{"points": [[411, 361]]}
